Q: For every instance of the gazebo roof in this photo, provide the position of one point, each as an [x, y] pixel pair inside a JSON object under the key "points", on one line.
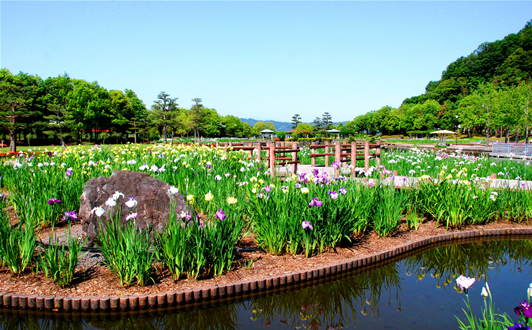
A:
{"points": [[443, 132]]}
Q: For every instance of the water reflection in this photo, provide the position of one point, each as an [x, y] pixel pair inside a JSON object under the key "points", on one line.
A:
{"points": [[399, 293], [330, 305]]}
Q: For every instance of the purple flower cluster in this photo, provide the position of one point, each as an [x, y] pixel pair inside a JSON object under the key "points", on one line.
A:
{"points": [[70, 215], [333, 194], [220, 215], [315, 202], [303, 178], [52, 201], [518, 326], [524, 309]]}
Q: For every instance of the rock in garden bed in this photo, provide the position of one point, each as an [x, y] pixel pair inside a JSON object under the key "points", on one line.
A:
{"points": [[153, 199]]}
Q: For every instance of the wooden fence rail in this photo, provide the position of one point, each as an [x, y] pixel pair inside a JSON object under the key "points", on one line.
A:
{"points": [[344, 153], [283, 153]]}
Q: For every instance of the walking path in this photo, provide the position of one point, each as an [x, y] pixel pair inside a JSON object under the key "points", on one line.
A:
{"points": [[404, 181]]}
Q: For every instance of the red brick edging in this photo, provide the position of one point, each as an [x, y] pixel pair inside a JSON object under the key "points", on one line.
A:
{"points": [[141, 302]]}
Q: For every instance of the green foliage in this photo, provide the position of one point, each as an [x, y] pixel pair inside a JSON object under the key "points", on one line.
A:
{"points": [[296, 120], [31, 196], [195, 248], [307, 139], [335, 214], [59, 262], [281, 135], [126, 249], [458, 203], [389, 206], [461, 96], [17, 247], [260, 126]]}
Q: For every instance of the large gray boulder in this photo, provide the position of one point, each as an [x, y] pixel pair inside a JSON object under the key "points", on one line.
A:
{"points": [[153, 198]]}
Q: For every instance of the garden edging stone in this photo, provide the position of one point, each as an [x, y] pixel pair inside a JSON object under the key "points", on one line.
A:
{"points": [[136, 302]]}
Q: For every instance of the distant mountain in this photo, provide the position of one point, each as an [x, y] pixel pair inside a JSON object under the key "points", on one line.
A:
{"points": [[280, 126]]}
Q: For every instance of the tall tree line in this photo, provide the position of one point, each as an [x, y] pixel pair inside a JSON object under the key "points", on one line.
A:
{"points": [[66, 110]]}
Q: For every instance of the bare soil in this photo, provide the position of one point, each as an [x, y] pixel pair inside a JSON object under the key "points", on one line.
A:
{"points": [[93, 278]]}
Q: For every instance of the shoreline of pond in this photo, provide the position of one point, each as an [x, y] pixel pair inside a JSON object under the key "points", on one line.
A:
{"points": [[213, 293]]}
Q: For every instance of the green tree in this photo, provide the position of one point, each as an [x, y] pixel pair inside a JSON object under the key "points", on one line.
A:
{"points": [[17, 94], [304, 130], [522, 96], [209, 124], [261, 126], [296, 119], [121, 111], [234, 127], [139, 114], [326, 121], [318, 125], [89, 105], [58, 116], [197, 116], [162, 111]]}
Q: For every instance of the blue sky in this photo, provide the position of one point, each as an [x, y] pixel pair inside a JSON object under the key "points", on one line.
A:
{"points": [[262, 60]]}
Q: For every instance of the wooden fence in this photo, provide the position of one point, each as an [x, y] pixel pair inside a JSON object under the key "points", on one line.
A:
{"points": [[286, 153], [344, 152]]}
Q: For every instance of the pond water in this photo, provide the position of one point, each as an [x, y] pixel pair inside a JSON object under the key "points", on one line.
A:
{"points": [[415, 291]]}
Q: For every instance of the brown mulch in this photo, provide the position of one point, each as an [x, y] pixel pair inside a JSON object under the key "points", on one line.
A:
{"points": [[97, 280]]}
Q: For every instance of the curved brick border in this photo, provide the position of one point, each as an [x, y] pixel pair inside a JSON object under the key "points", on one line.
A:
{"points": [[142, 302]]}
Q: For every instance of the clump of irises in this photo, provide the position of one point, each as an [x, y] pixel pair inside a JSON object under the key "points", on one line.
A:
{"points": [[490, 318]]}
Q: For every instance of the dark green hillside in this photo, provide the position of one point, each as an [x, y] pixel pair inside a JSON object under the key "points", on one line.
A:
{"points": [[504, 62], [485, 93]]}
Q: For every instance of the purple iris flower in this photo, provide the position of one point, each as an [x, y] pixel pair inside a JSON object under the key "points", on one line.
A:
{"points": [[517, 326], [333, 194], [221, 215], [70, 215], [52, 201], [336, 164], [306, 224], [68, 172], [342, 190], [525, 309], [315, 202]]}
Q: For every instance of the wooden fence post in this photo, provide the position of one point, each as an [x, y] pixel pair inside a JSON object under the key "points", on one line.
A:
{"points": [[366, 155], [259, 151], [338, 156], [250, 144], [327, 156], [272, 159], [295, 147], [378, 153], [312, 159], [354, 157]]}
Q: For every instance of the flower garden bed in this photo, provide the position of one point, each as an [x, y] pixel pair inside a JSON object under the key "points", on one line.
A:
{"points": [[284, 230], [98, 289]]}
